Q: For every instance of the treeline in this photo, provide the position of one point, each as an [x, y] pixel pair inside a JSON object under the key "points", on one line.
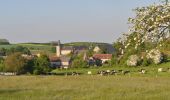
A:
{"points": [[4, 42], [21, 49], [20, 64], [19, 60]]}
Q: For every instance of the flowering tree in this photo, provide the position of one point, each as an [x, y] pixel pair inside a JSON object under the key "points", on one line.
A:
{"points": [[151, 24]]}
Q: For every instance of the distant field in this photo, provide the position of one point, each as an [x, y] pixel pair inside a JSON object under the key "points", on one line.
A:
{"points": [[8, 46], [33, 47], [84, 88]]}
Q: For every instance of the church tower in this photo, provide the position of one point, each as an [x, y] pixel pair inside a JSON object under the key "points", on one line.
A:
{"points": [[58, 49]]}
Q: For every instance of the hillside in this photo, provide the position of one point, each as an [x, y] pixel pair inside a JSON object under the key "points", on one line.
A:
{"points": [[49, 48], [4, 42], [85, 43]]}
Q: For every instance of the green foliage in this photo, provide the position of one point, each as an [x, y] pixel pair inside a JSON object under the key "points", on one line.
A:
{"points": [[114, 60], [2, 64], [90, 53], [29, 67], [15, 63], [12, 50], [79, 62], [98, 62], [146, 62], [3, 51], [42, 65], [53, 49], [4, 42]]}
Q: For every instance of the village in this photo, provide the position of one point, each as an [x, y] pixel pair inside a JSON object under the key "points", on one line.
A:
{"points": [[65, 57], [62, 59], [83, 50]]}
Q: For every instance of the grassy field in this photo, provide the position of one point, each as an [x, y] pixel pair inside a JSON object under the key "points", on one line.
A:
{"points": [[84, 88], [34, 48]]}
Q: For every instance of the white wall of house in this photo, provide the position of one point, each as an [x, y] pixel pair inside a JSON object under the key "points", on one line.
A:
{"points": [[65, 63], [104, 60], [66, 52]]}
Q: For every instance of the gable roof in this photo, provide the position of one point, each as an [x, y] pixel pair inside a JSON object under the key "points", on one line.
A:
{"points": [[54, 59], [102, 56], [80, 47], [108, 47], [67, 48], [58, 59]]}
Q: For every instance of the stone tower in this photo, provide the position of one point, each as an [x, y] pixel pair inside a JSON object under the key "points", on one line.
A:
{"points": [[58, 49]]}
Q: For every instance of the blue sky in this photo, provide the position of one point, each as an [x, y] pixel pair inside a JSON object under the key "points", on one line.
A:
{"points": [[67, 20]]}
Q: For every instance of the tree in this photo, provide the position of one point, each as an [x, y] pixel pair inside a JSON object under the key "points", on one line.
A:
{"points": [[98, 62], [3, 51], [42, 65], [151, 24], [2, 64], [20, 49], [150, 28], [79, 62], [4, 42], [53, 49], [15, 63]]}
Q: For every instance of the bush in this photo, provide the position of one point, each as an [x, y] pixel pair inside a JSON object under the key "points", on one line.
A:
{"points": [[42, 65], [133, 60], [2, 64], [37, 72], [15, 63], [146, 62]]}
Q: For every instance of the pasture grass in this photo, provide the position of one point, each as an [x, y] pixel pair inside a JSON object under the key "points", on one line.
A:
{"points": [[151, 70], [84, 87]]}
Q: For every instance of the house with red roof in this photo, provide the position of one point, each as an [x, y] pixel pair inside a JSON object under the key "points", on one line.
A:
{"points": [[103, 57]]}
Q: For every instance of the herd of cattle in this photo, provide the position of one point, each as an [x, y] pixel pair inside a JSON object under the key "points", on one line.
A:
{"points": [[102, 72], [121, 72]]}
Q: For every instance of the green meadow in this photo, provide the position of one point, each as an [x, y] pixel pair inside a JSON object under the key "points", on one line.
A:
{"points": [[153, 85], [84, 87]]}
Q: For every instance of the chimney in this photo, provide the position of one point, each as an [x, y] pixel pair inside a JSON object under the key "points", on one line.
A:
{"points": [[58, 49]]}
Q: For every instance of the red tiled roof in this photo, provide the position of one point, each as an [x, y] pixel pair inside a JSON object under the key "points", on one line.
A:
{"points": [[102, 56]]}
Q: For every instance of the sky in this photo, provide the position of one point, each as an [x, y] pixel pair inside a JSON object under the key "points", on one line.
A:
{"points": [[66, 20]]}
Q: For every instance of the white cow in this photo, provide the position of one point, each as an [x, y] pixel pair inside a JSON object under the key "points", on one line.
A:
{"points": [[89, 73], [160, 69]]}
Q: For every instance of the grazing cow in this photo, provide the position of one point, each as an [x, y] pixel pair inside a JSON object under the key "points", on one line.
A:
{"points": [[142, 71], [75, 73], [120, 71], [160, 69], [102, 73], [113, 72], [108, 71], [126, 72], [89, 73]]}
